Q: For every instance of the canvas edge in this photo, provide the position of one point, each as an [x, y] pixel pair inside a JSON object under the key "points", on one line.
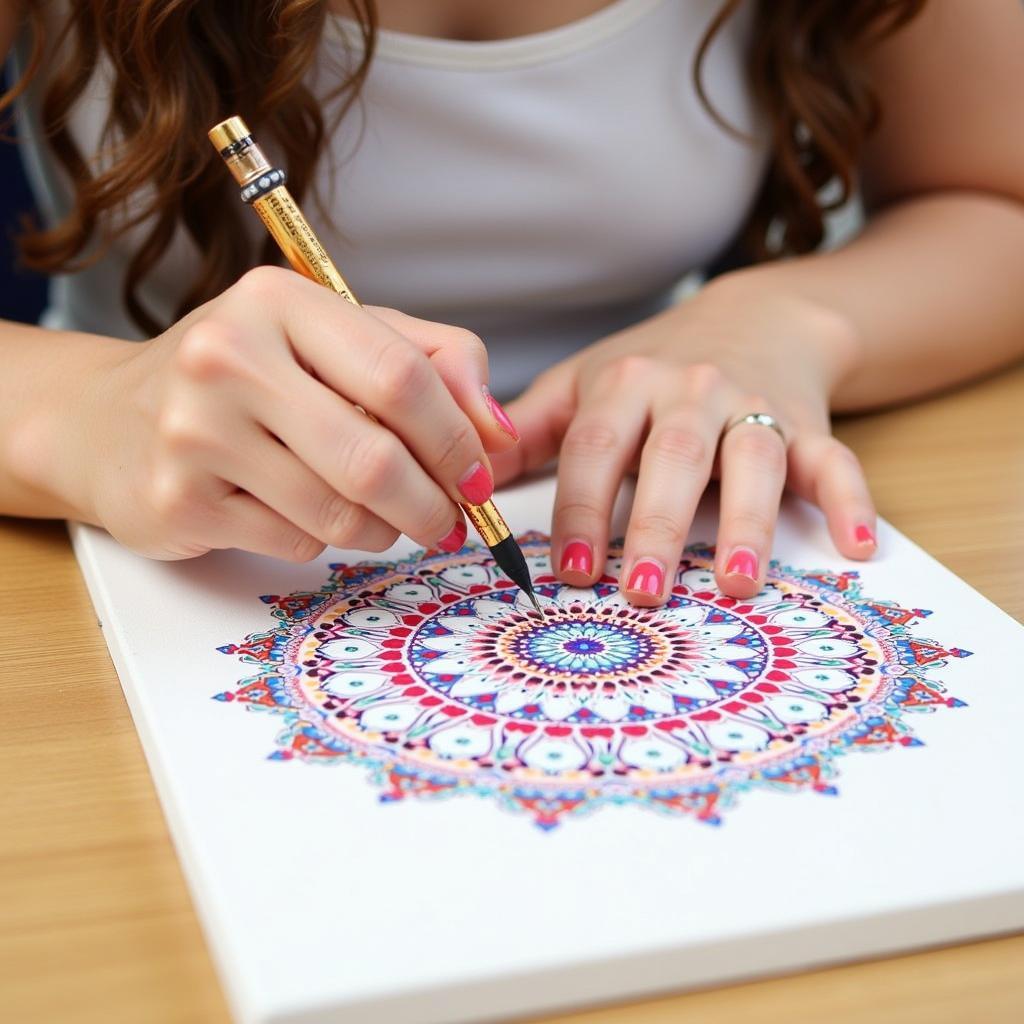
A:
{"points": [[1000, 613], [675, 971], [203, 896]]}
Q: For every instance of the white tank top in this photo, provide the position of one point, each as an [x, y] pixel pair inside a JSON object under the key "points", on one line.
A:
{"points": [[543, 191]]}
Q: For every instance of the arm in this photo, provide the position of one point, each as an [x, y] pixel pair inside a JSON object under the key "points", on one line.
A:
{"points": [[927, 295], [932, 287], [29, 381], [191, 441], [44, 371]]}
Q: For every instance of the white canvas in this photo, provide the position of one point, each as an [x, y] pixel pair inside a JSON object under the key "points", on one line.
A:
{"points": [[322, 903]]}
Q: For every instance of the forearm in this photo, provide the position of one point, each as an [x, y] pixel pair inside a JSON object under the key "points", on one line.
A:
{"points": [[932, 288], [49, 377]]}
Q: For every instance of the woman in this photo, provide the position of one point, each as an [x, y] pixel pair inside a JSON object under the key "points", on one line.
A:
{"points": [[540, 174]]}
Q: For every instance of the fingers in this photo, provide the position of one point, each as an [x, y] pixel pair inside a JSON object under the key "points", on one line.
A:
{"points": [[542, 414], [685, 410], [753, 461], [825, 471], [598, 446], [460, 359], [675, 466], [391, 379], [372, 365], [244, 522], [263, 467], [361, 461]]}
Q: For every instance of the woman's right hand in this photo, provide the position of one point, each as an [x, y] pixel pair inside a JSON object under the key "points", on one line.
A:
{"points": [[239, 427]]}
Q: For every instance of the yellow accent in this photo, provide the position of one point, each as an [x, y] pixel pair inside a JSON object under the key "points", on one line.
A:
{"points": [[283, 219], [234, 129], [246, 165], [488, 522]]}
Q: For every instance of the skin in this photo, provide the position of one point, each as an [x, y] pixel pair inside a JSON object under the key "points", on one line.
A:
{"points": [[237, 427], [191, 441]]}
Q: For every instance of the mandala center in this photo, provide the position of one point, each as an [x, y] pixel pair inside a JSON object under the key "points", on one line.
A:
{"points": [[581, 647], [585, 662]]}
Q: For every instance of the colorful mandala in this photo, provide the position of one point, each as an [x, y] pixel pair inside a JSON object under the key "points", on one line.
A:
{"points": [[433, 674]]}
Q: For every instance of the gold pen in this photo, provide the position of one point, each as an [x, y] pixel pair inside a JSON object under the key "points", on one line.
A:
{"points": [[264, 189]]}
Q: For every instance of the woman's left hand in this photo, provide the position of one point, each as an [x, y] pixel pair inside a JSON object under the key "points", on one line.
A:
{"points": [[659, 397]]}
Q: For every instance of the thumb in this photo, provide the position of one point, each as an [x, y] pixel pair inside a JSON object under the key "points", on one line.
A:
{"points": [[460, 359], [542, 414]]}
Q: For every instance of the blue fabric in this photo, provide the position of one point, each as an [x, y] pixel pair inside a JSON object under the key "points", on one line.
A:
{"points": [[22, 293]]}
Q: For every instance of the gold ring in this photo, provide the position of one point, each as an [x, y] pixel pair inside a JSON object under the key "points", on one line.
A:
{"points": [[758, 419]]}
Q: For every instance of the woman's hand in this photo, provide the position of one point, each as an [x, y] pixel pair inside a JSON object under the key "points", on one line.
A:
{"points": [[239, 427], [659, 396]]}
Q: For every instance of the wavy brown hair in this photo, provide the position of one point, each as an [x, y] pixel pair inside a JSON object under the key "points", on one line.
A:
{"points": [[179, 66]]}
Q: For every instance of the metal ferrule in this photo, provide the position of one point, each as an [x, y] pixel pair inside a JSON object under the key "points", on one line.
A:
{"points": [[245, 160], [487, 519]]}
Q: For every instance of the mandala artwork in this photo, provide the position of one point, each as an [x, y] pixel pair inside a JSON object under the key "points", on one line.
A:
{"points": [[433, 674]]}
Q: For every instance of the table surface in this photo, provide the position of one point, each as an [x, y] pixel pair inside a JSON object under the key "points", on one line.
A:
{"points": [[96, 923]]}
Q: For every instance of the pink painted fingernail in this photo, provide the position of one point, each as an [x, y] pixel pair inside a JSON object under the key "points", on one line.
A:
{"points": [[742, 562], [647, 577], [864, 535], [499, 414], [454, 540], [577, 556], [476, 485]]}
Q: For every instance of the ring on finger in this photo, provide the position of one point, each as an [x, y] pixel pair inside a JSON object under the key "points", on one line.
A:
{"points": [[757, 419]]}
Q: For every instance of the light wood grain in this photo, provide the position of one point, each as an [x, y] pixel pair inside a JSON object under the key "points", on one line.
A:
{"points": [[95, 921]]}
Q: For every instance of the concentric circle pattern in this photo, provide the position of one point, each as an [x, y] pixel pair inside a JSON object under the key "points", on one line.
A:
{"points": [[436, 674]]}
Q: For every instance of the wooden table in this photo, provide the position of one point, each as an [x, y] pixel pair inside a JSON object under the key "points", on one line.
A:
{"points": [[95, 921]]}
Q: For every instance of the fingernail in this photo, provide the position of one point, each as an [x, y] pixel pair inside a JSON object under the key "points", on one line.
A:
{"points": [[454, 540], [476, 485], [647, 577], [577, 556], [499, 414], [742, 562], [864, 535]]}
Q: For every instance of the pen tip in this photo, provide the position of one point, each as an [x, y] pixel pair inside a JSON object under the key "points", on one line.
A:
{"points": [[536, 604]]}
